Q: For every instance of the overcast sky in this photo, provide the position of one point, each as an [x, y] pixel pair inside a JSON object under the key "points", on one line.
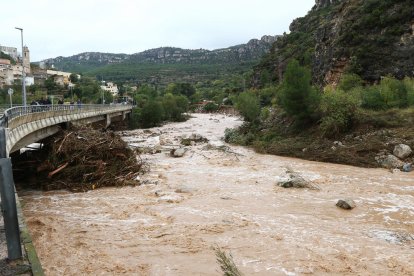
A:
{"points": [[67, 27]]}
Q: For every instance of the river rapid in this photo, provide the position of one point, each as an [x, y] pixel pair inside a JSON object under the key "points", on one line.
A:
{"points": [[226, 196]]}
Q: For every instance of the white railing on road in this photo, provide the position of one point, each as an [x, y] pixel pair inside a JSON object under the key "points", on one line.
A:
{"points": [[18, 111]]}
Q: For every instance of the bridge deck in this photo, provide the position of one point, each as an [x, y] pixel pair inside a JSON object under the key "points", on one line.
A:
{"points": [[26, 125]]}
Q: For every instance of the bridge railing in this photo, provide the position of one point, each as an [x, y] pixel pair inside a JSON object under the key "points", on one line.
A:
{"points": [[19, 111]]}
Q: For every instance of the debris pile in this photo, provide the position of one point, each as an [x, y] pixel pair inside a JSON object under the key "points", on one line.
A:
{"points": [[85, 159]]}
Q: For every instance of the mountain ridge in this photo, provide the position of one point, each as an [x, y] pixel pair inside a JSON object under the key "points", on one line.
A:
{"points": [[252, 50]]}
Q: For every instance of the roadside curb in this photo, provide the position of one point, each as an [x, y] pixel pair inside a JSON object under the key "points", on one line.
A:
{"points": [[26, 240]]}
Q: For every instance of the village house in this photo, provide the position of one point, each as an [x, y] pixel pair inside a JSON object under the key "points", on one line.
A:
{"points": [[10, 73], [110, 87]]}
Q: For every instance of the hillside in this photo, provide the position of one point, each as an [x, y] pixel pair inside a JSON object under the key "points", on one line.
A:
{"points": [[162, 65], [370, 38]]}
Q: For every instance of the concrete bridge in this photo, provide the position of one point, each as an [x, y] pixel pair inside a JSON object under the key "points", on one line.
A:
{"points": [[26, 125], [21, 126]]}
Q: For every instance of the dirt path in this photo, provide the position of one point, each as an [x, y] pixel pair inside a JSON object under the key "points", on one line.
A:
{"points": [[227, 197]]}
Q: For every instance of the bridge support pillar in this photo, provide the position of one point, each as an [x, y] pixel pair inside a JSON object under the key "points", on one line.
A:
{"points": [[108, 120], [8, 202], [124, 115]]}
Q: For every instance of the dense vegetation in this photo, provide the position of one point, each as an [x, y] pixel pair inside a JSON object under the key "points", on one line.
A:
{"points": [[154, 107], [368, 38], [165, 65], [302, 120], [163, 74]]}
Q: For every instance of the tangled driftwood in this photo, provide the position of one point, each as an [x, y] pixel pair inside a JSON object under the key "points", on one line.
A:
{"points": [[85, 159]]}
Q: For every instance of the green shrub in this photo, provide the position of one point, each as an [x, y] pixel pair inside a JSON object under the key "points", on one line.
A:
{"points": [[174, 107], [390, 93], [372, 99], [248, 106], [338, 112], [151, 114], [393, 92], [409, 87], [134, 121], [210, 107], [264, 113], [349, 82], [266, 95], [235, 136]]}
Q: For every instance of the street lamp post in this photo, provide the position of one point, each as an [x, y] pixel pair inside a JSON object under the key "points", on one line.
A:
{"points": [[23, 72]]}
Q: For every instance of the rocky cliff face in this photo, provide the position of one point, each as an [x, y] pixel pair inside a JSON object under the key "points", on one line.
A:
{"points": [[369, 38]]}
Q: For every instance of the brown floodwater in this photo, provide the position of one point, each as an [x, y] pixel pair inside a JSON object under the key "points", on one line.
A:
{"points": [[227, 197]]}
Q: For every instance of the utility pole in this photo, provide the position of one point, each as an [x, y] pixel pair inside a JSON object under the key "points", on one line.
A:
{"points": [[23, 72]]}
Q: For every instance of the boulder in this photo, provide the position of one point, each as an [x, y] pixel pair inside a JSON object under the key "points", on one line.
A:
{"points": [[184, 190], [402, 151], [389, 161], [193, 139], [407, 167], [346, 204], [295, 180], [177, 152]]}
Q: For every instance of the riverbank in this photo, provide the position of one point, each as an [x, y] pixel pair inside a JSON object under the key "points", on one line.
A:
{"points": [[222, 195], [372, 137]]}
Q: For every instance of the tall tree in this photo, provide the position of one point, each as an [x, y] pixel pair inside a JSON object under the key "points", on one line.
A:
{"points": [[298, 98]]}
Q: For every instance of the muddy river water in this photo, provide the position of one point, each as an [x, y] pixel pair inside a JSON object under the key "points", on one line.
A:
{"points": [[226, 196]]}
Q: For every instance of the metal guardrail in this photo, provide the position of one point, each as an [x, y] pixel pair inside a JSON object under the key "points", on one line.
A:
{"points": [[18, 111]]}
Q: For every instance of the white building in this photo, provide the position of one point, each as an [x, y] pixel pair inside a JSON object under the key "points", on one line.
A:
{"points": [[60, 77], [10, 73], [29, 80], [11, 51], [110, 87]]}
